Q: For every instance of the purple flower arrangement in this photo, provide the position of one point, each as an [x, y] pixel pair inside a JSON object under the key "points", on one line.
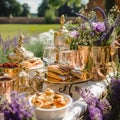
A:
{"points": [[18, 108], [106, 107], [98, 108], [94, 32]]}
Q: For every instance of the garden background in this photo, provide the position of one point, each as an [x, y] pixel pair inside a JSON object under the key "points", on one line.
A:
{"points": [[16, 18]]}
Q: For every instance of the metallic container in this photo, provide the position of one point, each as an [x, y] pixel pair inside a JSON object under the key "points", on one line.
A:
{"points": [[97, 60]]}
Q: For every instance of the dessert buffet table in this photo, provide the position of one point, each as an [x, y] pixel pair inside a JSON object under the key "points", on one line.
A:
{"points": [[34, 76], [79, 106]]}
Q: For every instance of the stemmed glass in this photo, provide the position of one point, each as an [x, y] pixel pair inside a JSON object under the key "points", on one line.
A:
{"points": [[49, 55], [66, 57], [70, 57]]}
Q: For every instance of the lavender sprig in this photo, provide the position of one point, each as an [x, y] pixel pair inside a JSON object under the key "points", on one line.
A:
{"points": [[94, 19], [116, 24], [114, 89], [98, 109], [101, 38], [86, 19], [18, 109], [104, 17], [95, 113]]}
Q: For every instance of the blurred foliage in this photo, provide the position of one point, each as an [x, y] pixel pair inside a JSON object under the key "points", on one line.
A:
{"points": [[43, 8], [26, 10], [66, 7], [37, 47], [13, 8], [8, 7], [109, 4], [3, 56], [58, 3], [50, 16]]}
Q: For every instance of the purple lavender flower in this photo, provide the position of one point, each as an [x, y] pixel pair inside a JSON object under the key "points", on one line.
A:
{"points": [[116, 24], [99, 26], [95, 113], [114, 98], [18, 109], [114, 87], [92, 34], [74, 34], [105, 106], [101, 38], [86, 19], [87, 96], [104, 17], [98, 109]]}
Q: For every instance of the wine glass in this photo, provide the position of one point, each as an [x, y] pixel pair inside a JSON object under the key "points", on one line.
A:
{"points": [[49, 55], [76, 60], [65, 57]]}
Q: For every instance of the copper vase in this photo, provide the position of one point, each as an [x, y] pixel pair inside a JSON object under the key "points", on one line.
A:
{"points": [[97, 60]]}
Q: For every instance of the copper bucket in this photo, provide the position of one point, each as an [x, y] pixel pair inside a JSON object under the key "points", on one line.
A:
{"points": [[97, 60], [6, 86]]}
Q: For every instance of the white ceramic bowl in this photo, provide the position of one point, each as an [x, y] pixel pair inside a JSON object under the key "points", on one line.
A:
{"points": [[52, 114]]}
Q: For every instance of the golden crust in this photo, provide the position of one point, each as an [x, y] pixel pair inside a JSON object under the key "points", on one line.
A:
{"points": [[60, 69], [49, 91], [58, 76], [77, 74], [31, 63]]}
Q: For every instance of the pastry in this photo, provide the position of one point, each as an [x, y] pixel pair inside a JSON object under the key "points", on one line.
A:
{"points": [[32, 63], [41, 100], [58, 76], [81, 75], [60, 69], [76, 73]]}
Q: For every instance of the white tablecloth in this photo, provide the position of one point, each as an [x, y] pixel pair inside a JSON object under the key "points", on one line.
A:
{"points": [[79, 106]]}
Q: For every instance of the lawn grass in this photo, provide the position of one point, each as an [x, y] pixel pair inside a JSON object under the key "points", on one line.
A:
{"points": [[11, 30]]}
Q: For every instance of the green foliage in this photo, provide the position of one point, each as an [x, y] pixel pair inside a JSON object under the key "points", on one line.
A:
{"points": [[14, 8], [59, 5], [36, 47], [109, 4], [8, 7], [3, 56], [50, 16], [26, 10], [56, 3], [43, 8]]}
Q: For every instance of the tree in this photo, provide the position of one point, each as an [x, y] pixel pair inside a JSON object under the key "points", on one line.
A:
{"points": [[8, 7], [43, 8], [26, 9], [68, 10], [59, 6]]}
